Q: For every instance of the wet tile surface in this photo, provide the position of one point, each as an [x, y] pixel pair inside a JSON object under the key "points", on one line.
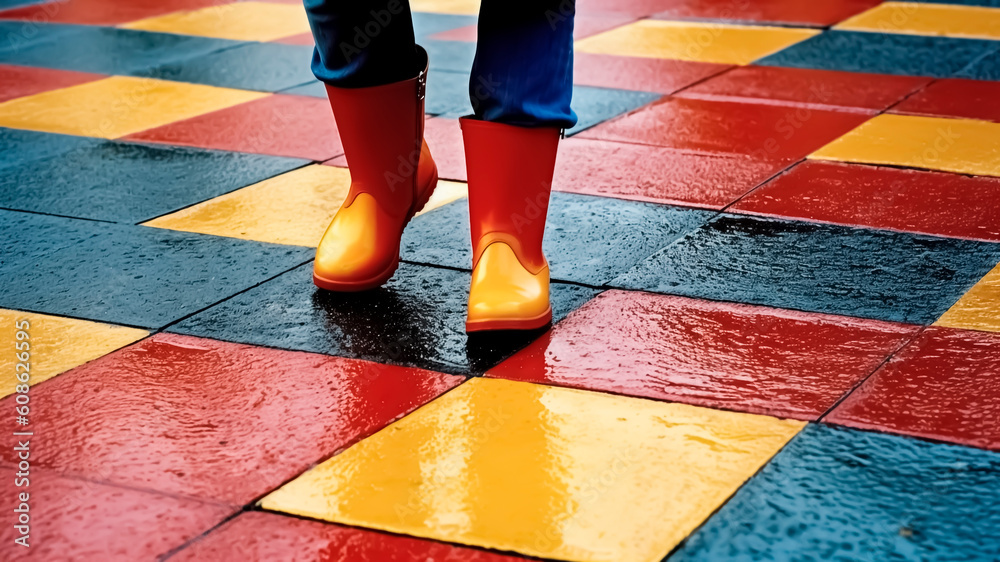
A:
{"points": [[109, 50], [656, 174], [714, 127], [885, 53], [293, 126], [21, 147], [58, 344], [129, 275], [986, 68], [979, 307], [726, 44], [239, 21], [806, 87], [964, 146], [264, 67], [851, 494], [454, 476], [664, 76], [929, 18], [942, 386], [17, 81], [116, 106], [720, 355], [93, 521], [293, 208], [202, 442], [130, 183], [882, 197], [587, 239], [767, 11], [972, 99], [267, 536], [822, 268], [101, 12], [417, 319]]}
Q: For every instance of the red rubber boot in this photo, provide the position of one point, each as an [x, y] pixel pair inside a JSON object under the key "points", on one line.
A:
{"points": [[392, 176], [510, 177]]}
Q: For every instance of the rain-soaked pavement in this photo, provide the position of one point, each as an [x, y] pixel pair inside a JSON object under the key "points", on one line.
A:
{"points": [[774, 246]]}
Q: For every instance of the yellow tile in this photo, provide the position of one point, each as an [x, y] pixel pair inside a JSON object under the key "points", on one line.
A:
{"points": [[240, 21], [965, 146], [928, 19], [465, 7], [694, 41], [544, 471], [117, 106], [293, 208], [979, 308], [55, 344]]}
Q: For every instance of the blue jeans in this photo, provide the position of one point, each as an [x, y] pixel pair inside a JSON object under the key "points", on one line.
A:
{"points": [[522, 74]]}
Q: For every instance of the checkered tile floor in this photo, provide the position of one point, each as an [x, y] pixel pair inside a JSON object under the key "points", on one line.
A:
{"points": [[775, 245]]}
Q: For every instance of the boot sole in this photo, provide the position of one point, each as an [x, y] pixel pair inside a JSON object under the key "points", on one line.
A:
{"points": [[494, 324], [385, 275]]}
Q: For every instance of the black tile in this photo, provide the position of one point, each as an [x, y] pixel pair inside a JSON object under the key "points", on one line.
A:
{"points": [[110, 50], [125, 274], [265, 67], [587, 239], [886, 53], [21, 147], [839, 494], [417, 319], [131, 183], [823, 268]]}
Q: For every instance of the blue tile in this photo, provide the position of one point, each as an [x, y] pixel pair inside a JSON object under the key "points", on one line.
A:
{"points": [[587, 239], [125, 274], [425, 24], [843, 495], [885, 53], [456, 56], [8, 4], [265, 67], [596, 105], [417, 319], [985, 68], [18, 36], [815, 267], [131, 183], [21, 147], [109, 50], [315, 89], [447, 92]]}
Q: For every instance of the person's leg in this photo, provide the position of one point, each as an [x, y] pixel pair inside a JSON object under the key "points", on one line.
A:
{"points": [[375, 78], [523, 71], [521, 86], [361, 42]]}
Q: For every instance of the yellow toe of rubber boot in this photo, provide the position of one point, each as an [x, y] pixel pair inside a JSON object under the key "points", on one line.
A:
{"points": [[505, 295], [510, 176], [392, 177]]}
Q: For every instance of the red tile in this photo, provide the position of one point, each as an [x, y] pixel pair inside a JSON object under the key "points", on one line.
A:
{"points": [[660, 175], [211, 419], [265, 536], [822, 89], [635, 8], [17, 81], [972, 99], [71, 519], [733, 356], [468, 33], [768, 132], [642, 74], [300, 39], [444, 137], [101, 12], [943, 386], [823, 13], [906, 200], [281, 125]]}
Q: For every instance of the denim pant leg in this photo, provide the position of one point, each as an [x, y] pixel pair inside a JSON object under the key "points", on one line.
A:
{"points": [[523, 71], [362, 43]]}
